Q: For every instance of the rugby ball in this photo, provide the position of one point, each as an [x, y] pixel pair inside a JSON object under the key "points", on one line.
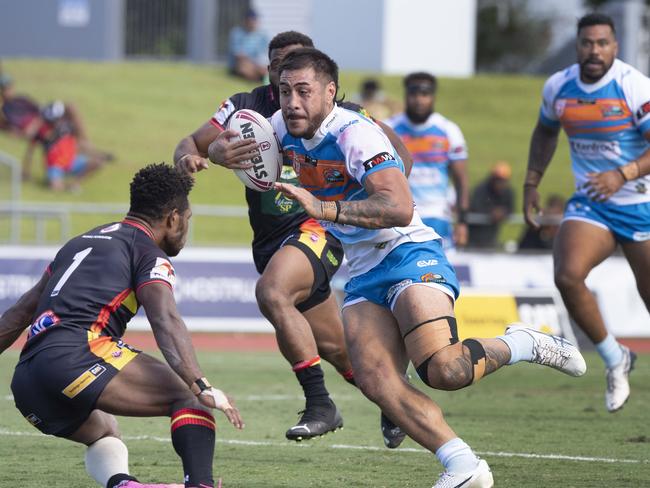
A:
{"points": [[267, 165]]}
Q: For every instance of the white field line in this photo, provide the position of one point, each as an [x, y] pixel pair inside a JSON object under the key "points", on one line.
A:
{"points": [[255, 398], [238, 442]]}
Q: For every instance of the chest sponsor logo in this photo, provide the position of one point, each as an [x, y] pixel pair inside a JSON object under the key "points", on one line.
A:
{"points": [[332, 175], [590, 149], [163, 270], [377, 159], [612, 111]]}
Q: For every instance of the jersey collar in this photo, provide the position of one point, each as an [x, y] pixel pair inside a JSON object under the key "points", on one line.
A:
{"points": [[322, 131], [592, 87], [138, 225]]}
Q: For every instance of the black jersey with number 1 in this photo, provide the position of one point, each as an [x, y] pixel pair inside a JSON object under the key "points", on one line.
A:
{"points": [[93, 283]]}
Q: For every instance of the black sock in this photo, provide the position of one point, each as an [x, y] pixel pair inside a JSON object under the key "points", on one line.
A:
{"points": [[193, 440], [116, 479], [311, 378]]}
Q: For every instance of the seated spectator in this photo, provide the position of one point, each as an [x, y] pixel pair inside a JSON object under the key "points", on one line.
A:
{"points": [[375, 102], [248, 49], [543, 237], [18, 114], [67, 160], [492, 203]]}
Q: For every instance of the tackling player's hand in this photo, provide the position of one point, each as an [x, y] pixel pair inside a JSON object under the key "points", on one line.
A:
{"points": [[229, 151], [191, 163], [214, 398], [309, 202], [531, 205], [460, 234], [601, 186]]}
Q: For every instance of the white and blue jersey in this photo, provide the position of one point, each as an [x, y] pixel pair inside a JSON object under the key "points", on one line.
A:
{"points": [[605, 123], [333, 165]]}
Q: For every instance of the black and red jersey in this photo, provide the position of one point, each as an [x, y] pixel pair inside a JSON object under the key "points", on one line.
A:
{"points": [[272, 216], [93, 283]]}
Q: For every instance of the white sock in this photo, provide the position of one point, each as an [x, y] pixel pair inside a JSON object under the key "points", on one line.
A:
{"points": [[520, 344], [610, 351], [457, 457], [105, 458]]}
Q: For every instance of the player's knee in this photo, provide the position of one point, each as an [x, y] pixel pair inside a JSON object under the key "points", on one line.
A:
{"points": [[269, 296], [566, 279], [453, 368], [373, 384]]}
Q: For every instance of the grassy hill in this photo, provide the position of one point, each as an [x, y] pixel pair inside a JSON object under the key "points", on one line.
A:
{"points": [[139, 111]]}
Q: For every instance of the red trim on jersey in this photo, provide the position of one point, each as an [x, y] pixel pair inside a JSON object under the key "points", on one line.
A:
{"points": [[153, 281], [217, 124], [138, 225], [105, 314]]}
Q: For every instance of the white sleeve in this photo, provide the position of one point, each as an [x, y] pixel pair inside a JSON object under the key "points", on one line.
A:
{"points": [[457, 145], [366, 149], [636, 88]]}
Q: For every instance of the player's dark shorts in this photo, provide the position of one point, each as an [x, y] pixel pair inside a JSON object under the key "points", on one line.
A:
{"points": [[324, 252], [56, 388]]}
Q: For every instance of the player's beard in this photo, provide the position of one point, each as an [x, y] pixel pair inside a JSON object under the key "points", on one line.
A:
{"points": [[418, 118]]}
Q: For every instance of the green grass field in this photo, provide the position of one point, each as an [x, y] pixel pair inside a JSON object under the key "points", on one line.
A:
{"points": [[536, 428], [140, 110]]}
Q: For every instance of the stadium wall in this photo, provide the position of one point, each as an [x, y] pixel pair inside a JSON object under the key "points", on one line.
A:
{"points": [[216, 290]]}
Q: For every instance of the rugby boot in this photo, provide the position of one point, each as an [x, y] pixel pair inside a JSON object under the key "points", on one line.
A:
{"points": [[317, 420], [553, 351], [393, 435], [618, 384], [481, 477]]}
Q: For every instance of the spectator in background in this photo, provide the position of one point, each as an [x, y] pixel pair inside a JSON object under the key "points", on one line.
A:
{"points": [[248, 49], [373, 99], [543, 236], [19, 115], [494, 198], [67, 159]]}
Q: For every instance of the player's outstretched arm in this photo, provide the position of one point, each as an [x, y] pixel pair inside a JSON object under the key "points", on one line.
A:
{"points": [[389, 202], [175, 343], [17, 317], [192, 150], [542, 147]]}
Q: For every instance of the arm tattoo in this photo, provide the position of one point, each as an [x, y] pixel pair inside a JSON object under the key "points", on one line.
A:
{"points": [[378, 211]]}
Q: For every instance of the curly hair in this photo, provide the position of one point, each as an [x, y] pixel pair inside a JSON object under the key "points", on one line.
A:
{"points": [[157, 189], [289, 38]]}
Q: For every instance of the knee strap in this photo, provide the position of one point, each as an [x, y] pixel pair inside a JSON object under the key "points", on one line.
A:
{"points": [[425, 339], [477, 356]]}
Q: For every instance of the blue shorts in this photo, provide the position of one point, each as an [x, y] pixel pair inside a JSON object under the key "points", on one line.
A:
{"points": [[77, 168], [444, 228], [408, 264], [626, 222]]}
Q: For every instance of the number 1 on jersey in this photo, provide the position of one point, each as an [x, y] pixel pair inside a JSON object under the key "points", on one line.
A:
{"points": [[76, 261]]}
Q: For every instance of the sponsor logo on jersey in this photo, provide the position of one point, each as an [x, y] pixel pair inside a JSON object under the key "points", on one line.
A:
{"points": [[45, 320], [163, 270], [591, 149], [397, 288], [332, 175], [348, 124], [432, 278], [377, 159], [612, 111], [559, 107], [425, 263], [110, 228], [284, 204], [643, 110]]}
